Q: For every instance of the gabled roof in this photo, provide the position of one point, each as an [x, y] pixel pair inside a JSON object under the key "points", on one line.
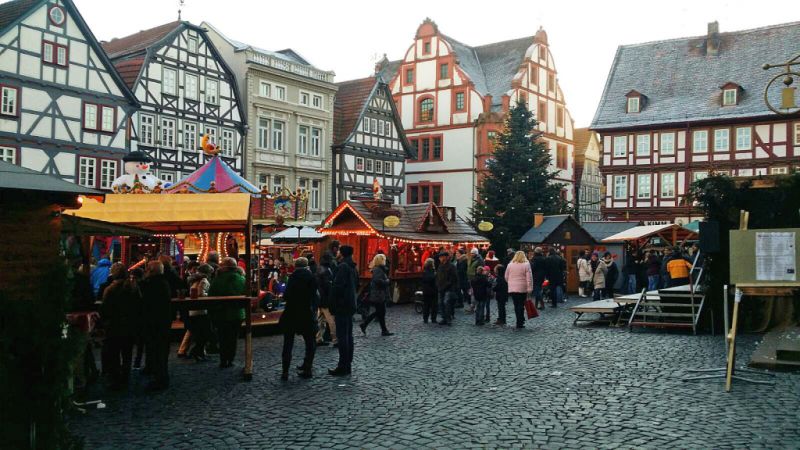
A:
{"points": [[138, 42], [16, 10], [16, 177], [542, 232], [582, 136], [351, 100], [682, 82], [602, 230]]}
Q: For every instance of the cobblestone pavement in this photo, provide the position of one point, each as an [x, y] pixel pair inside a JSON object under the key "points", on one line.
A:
{"points": [[550, 385]]}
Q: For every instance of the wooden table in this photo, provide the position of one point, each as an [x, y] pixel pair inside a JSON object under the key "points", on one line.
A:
{"points": [[240, 301]]}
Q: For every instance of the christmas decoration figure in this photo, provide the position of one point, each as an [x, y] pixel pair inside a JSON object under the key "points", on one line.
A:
{"points": [[136, 178]]}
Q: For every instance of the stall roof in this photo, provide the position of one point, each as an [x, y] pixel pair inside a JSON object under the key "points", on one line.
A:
{"points": [[82, 226], [291, 234], [171, 213], [13, 176], [669, 232], [540, 234], [602, 230]]}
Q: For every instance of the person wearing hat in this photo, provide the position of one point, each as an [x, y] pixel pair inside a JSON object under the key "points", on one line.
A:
{"points": [[343, 306], [447, 285]]}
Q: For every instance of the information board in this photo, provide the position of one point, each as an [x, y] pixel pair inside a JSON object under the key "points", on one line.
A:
{"points": [[764, 257]]}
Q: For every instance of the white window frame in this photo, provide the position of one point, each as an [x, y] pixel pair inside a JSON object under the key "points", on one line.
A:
{"points": [[729, 97], [228, 142], [388, 168], [317, 101], [264, 89], [662, 149], [665, 190], [167, 141], [744, 172], [166, 176], [8, 154], [359, 164], [305, 98], [90, 111], [147, 131], [277, 136], [378, 167], [640, 194], [315, 149], [279, 93], [108, 172], [722, 135], [277, 183], [263, 182], [212, 94], [744, 138], [191, 44], [387, 131], [9, 106], [191, 86], [797, 133], [642, 145], [699, 175], [303, 132], [212, 133], [61, 56], [48, 52], [620, 143], [263, 128], [365, 125], [370, 165], [189, 135], [782, 170], [169, 84], [87, 171], [696, 140], [633, 105], [380, 127], [373, 125], [620, 189], [314, 195], [302, 184], [107, 114]]}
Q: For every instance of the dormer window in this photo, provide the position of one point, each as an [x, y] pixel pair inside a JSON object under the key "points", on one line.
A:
{"points": [[730, 94], [633, 105], [634, 102]]}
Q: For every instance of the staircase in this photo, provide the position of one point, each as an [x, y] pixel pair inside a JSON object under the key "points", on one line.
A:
{"points": [[677, 307]]}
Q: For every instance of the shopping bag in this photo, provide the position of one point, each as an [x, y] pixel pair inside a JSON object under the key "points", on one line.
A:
{"points": [[530, 308]]}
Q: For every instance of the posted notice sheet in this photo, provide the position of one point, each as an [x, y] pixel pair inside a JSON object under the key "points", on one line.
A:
{"points": [[775, 256]]}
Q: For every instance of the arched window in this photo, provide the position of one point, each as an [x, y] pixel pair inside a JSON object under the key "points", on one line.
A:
{"points": [[426, 110]]}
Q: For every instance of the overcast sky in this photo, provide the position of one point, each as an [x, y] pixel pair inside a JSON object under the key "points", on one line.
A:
{"points": [[347, 36]]}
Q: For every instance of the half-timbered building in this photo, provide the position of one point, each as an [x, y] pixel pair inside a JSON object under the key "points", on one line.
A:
{"points": [[64, 109], [674, 111], [290, 111], [588, 181], [186, 91], [453, 98], [368, 141]]}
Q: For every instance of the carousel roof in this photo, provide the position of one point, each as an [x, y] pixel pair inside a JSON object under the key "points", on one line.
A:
{"points": [[217, 174]]}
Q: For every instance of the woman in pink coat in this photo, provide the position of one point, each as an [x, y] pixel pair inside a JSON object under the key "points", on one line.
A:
{"points": [[520, 284]]}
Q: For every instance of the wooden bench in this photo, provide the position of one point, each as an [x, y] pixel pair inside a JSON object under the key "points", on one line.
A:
{"points": [[609, 309]]}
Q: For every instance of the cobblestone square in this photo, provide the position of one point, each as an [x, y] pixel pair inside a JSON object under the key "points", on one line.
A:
{"points": [[550, 385]]}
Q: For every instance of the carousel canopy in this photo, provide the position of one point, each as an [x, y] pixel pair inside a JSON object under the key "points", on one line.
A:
{"points": [[214, 173], [171, 213]]}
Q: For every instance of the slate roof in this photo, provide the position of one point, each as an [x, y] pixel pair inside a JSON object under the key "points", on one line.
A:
{"points": [[13, 176], [602, 230], [350, 101], [682, 84], [540, 234], [11, 11], [138, 42], [411, 216]]}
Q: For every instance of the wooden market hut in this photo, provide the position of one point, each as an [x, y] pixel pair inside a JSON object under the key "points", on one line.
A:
{"points": [[563, 232], [422, 229]]}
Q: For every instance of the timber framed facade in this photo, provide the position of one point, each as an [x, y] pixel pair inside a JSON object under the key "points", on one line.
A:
{"points": [[65, 109]]}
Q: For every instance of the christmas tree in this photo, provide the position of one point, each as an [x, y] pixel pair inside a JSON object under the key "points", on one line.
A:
{"points": [[520, 181]]}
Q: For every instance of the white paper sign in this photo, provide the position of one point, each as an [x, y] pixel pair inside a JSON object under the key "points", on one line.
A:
{"points": [[775, 256]]}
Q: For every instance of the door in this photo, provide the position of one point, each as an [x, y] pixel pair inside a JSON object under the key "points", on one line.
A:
{"points": [[572, 268]]}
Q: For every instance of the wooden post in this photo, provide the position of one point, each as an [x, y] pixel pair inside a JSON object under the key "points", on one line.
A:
{"points": [[248, 341], [732, 343]]}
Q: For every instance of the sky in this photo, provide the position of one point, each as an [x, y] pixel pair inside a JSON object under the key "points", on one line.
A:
{"points": [[348, 36]]}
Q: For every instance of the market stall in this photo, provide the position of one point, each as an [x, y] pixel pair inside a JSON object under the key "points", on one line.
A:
{"points": [[407, 234], [653, 235]]}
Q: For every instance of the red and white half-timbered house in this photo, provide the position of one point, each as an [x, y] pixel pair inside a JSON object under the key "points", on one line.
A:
{"points": [[452, 99], [674, 111]]}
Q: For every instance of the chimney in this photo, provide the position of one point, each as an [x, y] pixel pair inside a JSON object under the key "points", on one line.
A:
{"points": [[487, 103], [506, 99], [538, 218], [380, 65], [712, 39]]}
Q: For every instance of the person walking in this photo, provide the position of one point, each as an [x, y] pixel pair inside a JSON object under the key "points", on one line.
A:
{"points": [[474, 261], [429, 293], [554, 268], [462, 265], [600, 279], [480, 290], [447, 285], [228, 281], [584, 275], [629, 271], [378, 295], [198, 322], [678, 269], [298, 317], [539, 270], [500, 293], [121, 313], [520, 283], [325, 318], [653, 269], [611, 276], [343, 306], [157, 322]]}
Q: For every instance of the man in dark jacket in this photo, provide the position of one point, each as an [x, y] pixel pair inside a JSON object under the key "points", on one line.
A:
{"points": [[324, 282], [157, 322], [298, 317], [539, 271], [462, 265], [343, 306], [554, 270], [447, 283]]}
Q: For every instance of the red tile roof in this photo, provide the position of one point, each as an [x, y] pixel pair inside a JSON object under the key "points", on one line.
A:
{"points": [[137, 42], [129, 70], [350, 100]]}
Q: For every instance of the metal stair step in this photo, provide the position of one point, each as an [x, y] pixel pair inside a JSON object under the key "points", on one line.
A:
{"points": [[662, 314], [662, 324], [681, 305]]}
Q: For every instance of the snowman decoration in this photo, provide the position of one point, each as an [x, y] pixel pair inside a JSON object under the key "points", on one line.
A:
{"points": [[136, 178]]}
